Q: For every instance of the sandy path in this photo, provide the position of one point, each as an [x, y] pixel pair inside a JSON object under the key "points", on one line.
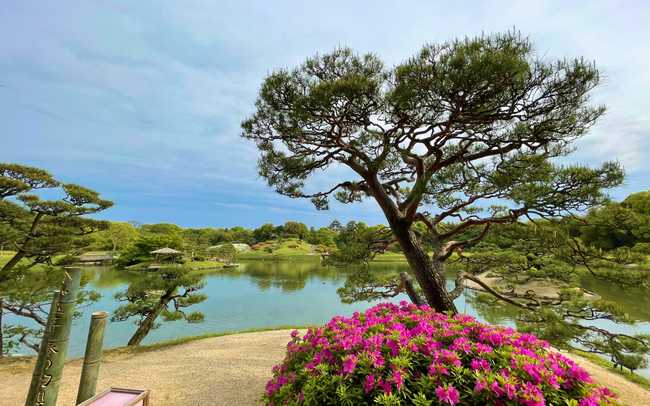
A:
{"points": [[628, 392], [228, 370]]}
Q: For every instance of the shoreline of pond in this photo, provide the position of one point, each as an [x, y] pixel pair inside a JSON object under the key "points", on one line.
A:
{"points": [[231, 350], [266, 294]]}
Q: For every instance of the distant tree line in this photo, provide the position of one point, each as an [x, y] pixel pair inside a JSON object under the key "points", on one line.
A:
{"points": [[134, 241], [620, 228]]}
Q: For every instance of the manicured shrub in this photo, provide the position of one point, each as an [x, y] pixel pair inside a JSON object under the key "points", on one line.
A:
{"points": [[409, 355], [642, 248]]}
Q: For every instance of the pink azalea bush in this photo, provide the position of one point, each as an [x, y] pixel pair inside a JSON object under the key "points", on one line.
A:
{"points": [[404, 354]]}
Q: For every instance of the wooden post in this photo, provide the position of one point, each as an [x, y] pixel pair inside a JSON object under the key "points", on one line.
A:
{"points": [[37, 375], [93, 357], [56, 346]]}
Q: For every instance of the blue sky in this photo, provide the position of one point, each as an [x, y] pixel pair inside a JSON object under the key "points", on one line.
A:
{"points": [[142, 100]]}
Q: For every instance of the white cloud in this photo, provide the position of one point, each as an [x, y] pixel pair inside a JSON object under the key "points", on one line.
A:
{"points": [[151, 94]]}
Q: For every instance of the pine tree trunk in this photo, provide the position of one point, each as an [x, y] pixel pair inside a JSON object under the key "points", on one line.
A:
{"points": [[147, 324], [6, 269], [427, 273], [21, 252]]}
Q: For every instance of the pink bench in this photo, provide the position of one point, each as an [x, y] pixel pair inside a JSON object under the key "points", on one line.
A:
{"points": [[120, 397]]}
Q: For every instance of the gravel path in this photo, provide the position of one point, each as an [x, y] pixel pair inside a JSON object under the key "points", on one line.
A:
{"points": [[228, 370]]}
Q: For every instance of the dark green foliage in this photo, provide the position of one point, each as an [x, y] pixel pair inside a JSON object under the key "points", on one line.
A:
{"points": [[116, 237], [485, 76], [264, 233], [237, 234], [366, 285], [39, 232], [28, 297], [167, 293], [358, 243], [294, 229], [38, 229], [434, 140], [140, 250], [196, 242], [323, 236], [616, 225], [226, 253], [638, 202], [546, 253], [161, 228]]}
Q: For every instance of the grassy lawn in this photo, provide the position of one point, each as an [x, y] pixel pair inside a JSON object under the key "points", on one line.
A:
{"points": [[630, 376], [390, 257], [254, 256], [204, 264], [297, 250], [290, 249], [204, 267]]}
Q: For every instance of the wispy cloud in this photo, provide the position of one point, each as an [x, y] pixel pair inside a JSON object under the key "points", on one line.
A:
{"points": [[143, 100]]}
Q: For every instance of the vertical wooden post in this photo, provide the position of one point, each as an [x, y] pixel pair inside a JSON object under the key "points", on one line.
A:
{"points": [[93, 356], [37, 375], [56, 345]]}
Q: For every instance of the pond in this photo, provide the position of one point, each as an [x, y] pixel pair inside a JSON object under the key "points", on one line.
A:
{"points": [[265, 294]]}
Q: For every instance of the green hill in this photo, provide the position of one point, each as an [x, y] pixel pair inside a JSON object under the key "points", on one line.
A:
{"points": [[289, 248]]}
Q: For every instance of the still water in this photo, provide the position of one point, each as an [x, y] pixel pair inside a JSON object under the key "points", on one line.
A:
{"points": [[262, 294]]}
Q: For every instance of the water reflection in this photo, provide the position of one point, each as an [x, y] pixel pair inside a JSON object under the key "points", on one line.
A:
{"points": [[288, 276], [268, 294]]}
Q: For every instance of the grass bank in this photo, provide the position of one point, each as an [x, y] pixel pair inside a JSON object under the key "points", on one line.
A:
{"points": [[21, 359], [263, 256], [189, 339], [630, 376]]}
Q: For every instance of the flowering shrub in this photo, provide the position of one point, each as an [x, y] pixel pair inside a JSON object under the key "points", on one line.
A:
{"points": [[404, 354]]}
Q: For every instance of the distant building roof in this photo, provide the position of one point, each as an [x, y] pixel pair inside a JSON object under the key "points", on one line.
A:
{"points": [[240, 247], [166, 250]]}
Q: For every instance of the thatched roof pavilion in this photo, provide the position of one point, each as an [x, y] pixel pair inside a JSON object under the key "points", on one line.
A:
{"points": [[167, 255]]}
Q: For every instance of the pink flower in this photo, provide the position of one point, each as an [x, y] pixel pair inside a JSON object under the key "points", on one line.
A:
{"points": [[448, 395], [532, 395], [385, 386], [480, 363], [480, 385], [349, 364], [369, 383], [589, 401], [483, 348], [398, 379], [438, 369], [579, 374], [605, 392], [510, 389], [496, 389], [505, 366]]}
